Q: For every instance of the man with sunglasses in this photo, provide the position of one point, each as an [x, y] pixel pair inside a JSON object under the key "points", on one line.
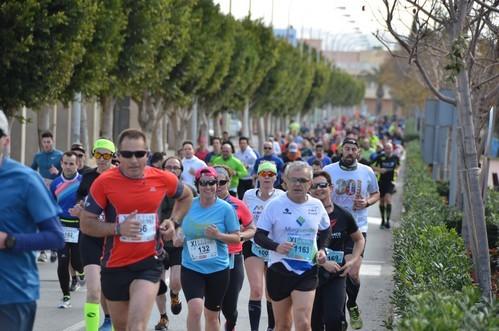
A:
{"points": [[355, 189], [130, 196], [295, 228], [91, 247], [81, 157], [29, 221], [268, 155]]}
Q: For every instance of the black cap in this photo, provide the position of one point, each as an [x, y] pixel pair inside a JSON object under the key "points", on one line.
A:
{"points": [[78, 147], [350, 141]]}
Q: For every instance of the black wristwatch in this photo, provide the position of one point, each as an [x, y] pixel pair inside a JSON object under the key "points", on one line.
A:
{"points": [[10, 241]]}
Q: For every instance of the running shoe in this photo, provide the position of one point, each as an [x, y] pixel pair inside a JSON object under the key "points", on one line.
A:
{"points": [[175, 303], [75, 286], [355, 319], [387, 225], [53, 256], [42, 257], [162, 324], [107, 325], [81, 279], [65, 303]]}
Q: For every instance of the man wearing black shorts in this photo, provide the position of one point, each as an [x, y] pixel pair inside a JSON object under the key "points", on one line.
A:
{"points": [[130, 196], [386, 165]]}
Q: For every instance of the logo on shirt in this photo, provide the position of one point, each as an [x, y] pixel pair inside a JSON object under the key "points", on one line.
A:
{"points": [[333, 223], [286, 211], [313, 211], [300, 220], [258, 208], [153, 189]]}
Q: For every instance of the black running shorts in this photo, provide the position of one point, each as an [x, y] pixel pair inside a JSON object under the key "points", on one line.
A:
{"points": [[116, 281], [211, 287], [281, 282]]}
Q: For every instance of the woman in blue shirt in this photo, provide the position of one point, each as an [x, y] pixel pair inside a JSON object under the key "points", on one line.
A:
{"points": [[208, 227]]}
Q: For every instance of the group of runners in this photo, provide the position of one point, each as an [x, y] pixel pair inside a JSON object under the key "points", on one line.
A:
{"points": [[297, 232]]}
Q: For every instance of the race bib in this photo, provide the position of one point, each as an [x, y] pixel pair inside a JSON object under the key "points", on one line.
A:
{"points": [[336, 256], [147, 227], [202, 249], [70, 234], [303, 249], [260, 251]]}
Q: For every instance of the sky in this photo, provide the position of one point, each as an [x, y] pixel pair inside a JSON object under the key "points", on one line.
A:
{"points": [[344, 24]]}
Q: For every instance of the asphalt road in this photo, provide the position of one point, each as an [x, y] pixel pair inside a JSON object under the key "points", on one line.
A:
{"points": [[373, 301]]}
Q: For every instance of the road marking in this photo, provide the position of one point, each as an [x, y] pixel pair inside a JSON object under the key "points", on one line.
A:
{"points": [[370, 269], [81, 324], [76, 327], [374, 220]]}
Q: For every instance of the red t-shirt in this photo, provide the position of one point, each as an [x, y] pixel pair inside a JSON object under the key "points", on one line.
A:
{"points": [[116, 196], [245, 218]]}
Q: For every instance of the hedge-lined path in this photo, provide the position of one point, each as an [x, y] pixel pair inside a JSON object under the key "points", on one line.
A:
{"points": [[374, 296]]}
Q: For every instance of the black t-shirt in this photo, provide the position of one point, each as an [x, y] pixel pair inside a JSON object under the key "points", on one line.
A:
{"points": [[86, 181], [387, 162], [342, 226]]}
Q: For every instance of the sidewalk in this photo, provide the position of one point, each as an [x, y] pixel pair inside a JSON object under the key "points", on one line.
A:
{"points": [[377, 269]]}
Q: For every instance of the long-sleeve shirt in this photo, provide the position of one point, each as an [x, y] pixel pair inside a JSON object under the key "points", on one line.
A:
{"points": [[235, 164], [43, 161]]}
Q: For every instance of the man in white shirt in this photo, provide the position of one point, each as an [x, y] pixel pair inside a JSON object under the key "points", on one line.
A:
{"points": [[191, 163], [247, 156]]}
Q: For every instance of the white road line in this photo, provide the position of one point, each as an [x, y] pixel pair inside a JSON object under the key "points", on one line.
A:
{"points": [[81, 324], [76, 327], [370, 269]]}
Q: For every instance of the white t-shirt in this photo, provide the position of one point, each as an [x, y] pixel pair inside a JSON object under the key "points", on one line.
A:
{"points": [[345, 188], [299, 223], [192, 163], [256, 204], [248, 158]]}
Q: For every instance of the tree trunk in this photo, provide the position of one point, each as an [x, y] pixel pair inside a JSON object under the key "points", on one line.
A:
{"points": [[194, 121], [84, 126], [261, 132], [472, 192], [107, 116], [43, 121], [76, 118], [246, 120]]}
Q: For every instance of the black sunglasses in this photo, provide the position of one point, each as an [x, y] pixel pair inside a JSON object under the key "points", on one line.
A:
{"points": [[208, 182], [130, 154], [319, 185], [222, 182]]}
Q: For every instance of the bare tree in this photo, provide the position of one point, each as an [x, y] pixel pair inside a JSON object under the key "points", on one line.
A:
{"points": [[463, 36]]}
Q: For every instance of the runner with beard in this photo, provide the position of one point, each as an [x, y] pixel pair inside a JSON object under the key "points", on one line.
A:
{"points": [[355, 189]]}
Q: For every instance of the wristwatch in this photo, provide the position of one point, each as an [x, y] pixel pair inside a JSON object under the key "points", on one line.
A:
{"points": [[10, 241]]}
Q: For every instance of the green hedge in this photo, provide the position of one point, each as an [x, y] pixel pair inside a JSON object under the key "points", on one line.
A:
{"points": [[432, 285]]}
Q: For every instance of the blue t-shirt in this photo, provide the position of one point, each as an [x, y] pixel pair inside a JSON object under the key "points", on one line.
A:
{"points": [[44, 160], [326, 160], [200, 253], [24, 202], [64, 192]]}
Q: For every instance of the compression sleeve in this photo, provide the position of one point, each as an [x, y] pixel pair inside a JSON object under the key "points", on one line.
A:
{"points": [[262, 239], [324, 236], [50, 236]]}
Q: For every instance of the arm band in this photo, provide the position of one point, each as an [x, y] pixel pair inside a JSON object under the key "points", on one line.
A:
{"points": [[262, 239]]}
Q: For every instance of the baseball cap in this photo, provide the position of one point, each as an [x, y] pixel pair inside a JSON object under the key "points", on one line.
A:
{"points": [[77, 147], [267, 166], [4, 124], [104, 144], [293, 147], [208, 171]]}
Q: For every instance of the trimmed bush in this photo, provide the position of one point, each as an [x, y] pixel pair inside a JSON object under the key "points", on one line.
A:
{"points": [[433, 288]]}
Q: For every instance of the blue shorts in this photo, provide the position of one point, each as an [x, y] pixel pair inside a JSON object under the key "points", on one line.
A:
{"points": [[18, 316]]}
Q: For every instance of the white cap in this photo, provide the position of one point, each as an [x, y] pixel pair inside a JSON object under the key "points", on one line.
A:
{"points": [[4, 124]]}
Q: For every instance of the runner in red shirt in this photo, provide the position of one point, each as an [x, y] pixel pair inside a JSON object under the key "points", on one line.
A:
{"points": [[130, 196]]}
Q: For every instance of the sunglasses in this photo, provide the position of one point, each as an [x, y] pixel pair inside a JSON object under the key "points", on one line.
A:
{"points": [[172, 168], [105, 156], [207, 182], [319, 185], [267, 148], [299, 180], [266, 174], [130, 154], [222, 182], [79, 155]]}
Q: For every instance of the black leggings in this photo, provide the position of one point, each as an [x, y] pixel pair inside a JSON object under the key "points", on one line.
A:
{"points": [[70, 253], [229, 305], [329, 305]]}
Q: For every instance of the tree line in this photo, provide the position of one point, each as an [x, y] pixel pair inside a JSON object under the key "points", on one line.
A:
{"points": [[169, 56]]}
